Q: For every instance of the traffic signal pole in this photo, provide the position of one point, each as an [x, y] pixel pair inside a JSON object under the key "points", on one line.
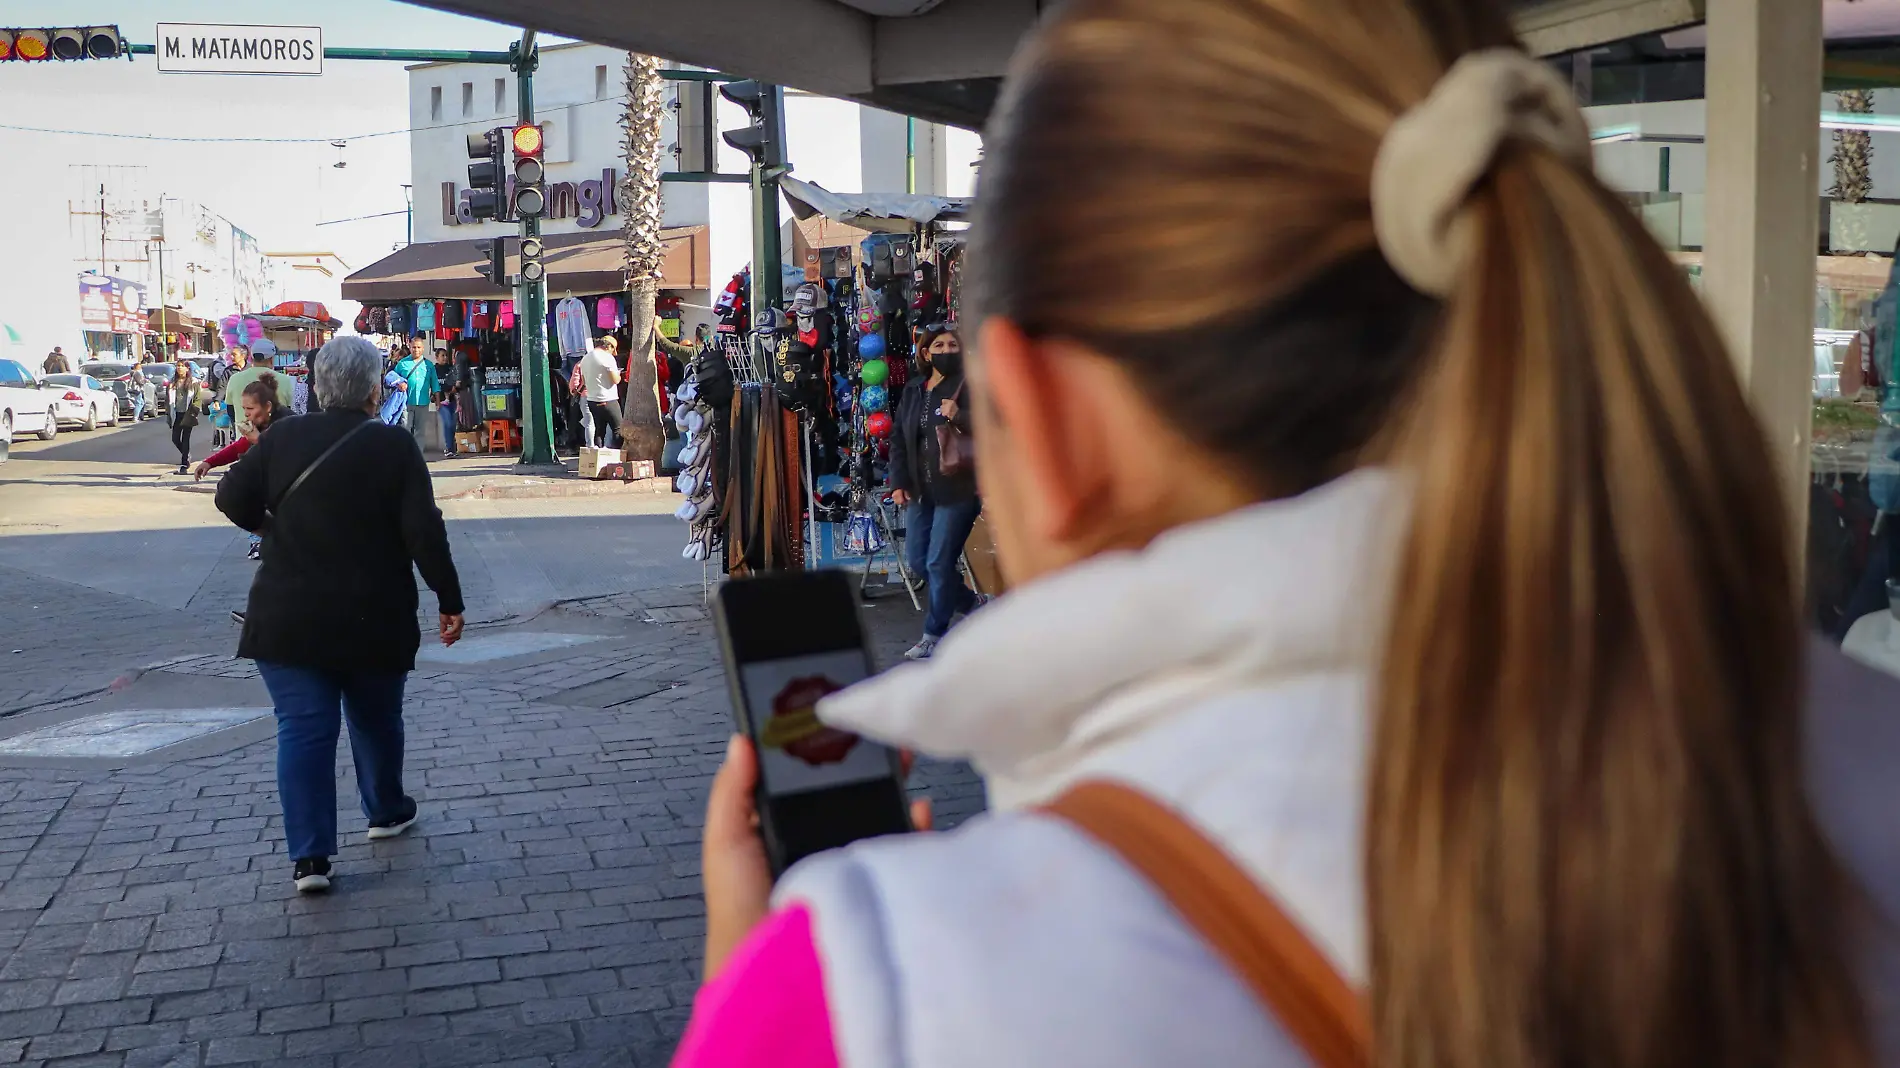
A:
{"points": [[531, 298]]}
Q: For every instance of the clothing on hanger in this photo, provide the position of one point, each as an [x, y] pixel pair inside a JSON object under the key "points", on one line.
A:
{"points": [[607, 313], [570, 325], [505, 315]]}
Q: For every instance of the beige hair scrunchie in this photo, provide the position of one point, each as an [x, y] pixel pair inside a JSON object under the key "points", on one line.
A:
{"points": [[1435, 153]]}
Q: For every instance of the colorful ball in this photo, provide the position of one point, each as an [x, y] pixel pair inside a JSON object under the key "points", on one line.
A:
{"points": [[875, 398], [878, 424], [871, 346], [874, 373]]}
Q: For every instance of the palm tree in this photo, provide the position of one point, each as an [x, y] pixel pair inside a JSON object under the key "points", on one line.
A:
{"points": [[642, 430], [1853, 161]]}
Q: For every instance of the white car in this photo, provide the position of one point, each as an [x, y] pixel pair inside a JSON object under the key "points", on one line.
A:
{"points": [[24, 409], [82, 400]]}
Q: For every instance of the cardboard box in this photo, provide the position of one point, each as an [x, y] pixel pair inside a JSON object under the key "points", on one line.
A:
{"points": [[609, 463], [471, 441], [600, 463]]}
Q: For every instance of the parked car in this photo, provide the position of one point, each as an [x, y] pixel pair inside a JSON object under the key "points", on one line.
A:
{"points": [[157, 374], [117, 375], [24, 409], [81, 400]]}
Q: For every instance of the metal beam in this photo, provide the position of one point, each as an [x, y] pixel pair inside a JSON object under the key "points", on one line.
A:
{"points": [[398, 55], [1764, 102], [1553, 27]]}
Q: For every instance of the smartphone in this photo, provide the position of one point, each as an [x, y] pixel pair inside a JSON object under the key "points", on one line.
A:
{"points": [[788, 640]]}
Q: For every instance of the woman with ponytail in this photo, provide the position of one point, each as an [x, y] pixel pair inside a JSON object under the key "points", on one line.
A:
{"points": [[1392, 547]]}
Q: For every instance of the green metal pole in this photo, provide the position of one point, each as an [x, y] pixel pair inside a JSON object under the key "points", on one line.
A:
{"points": [[537, 407], [768, 280]]}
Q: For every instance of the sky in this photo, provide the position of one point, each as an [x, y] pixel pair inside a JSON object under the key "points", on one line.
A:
{"points": [[278, 192]]}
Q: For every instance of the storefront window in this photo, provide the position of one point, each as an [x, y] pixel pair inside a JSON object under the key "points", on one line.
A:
{"points": [[1853, 560]]}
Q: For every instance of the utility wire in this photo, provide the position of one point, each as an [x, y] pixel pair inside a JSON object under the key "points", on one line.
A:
{"points": [[360, 218]]}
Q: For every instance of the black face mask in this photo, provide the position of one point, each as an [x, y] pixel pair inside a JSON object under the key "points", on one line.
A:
{"points": [[950, 363]]}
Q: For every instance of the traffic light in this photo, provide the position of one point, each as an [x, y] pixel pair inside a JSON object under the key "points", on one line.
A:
{"points": [[494, 260], [763, 140], [531, 266], [485, 175], [60, 42], [531, 198]]}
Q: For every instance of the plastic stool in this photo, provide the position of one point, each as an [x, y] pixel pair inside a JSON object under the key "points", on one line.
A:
{"points": [[504, 435]]}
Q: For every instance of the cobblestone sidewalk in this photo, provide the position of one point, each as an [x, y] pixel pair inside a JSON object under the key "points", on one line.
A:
{"points": [[544, 913]]}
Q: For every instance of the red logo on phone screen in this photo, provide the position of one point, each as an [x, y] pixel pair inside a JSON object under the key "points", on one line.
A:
{"points": [[795, 730]]}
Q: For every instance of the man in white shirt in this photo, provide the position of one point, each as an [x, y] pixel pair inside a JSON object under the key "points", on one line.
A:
{"points": [[600, 377]]}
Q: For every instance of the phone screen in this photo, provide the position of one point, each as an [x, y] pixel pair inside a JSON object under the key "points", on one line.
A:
{"points": [[790, 640], [797, 753]]}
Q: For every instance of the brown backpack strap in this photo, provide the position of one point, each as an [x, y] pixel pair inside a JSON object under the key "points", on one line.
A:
{"points": [[1289, 975]]}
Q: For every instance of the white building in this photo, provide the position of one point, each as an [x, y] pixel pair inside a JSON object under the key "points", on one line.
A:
{"points": [[580, 91]]}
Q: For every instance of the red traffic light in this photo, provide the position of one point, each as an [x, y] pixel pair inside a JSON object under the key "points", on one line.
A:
{"points": [[32, 44], [527, 140]]}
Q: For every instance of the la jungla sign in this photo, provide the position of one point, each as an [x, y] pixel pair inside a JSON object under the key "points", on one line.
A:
{"points": [[587, 203]]}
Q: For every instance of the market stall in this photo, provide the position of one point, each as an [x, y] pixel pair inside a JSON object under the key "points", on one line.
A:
{"points": [[436, 290], [789, 457]]}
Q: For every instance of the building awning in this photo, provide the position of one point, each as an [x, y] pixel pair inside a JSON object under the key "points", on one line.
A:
{"points": [[942, 60], [580, 263], [888, 212], [172, 321]]}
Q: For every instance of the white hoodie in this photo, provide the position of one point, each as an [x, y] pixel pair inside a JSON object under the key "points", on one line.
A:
{"points": [[1223, 670]]}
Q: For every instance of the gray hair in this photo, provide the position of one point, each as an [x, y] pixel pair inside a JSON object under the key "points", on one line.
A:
{"points": [[349, 372]]}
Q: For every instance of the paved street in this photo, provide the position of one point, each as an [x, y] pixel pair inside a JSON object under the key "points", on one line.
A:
{"points": [[545, 912]]}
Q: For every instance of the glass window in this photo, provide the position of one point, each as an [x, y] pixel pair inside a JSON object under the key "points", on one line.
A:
{"points": [[501, 96], [600, 82], [12, 372], [468, 99], [435, 103]]}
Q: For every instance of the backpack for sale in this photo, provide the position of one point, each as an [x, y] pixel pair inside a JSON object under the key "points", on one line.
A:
{"points": [[880, 265]]}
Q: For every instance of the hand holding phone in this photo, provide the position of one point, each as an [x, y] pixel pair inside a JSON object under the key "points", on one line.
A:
{"points": [[733, 865], [789, 640]]}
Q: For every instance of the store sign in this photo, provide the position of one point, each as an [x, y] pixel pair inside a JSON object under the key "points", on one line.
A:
{"points": [[195, 48], [587, 203], [111, 305]]}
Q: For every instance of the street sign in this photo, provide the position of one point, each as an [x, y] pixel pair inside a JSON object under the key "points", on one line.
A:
{"points": [[209, 48]]}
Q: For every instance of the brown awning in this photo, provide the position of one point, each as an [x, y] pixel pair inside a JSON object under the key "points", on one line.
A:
{"points": [[173, 321], [576, 263]]}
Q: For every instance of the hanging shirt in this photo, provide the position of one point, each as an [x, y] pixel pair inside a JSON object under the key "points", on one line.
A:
{"points": [[607, 314], [425, 316], [570, 324]]}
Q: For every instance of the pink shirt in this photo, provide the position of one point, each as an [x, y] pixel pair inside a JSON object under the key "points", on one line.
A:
{"points": [[767, 1008]]}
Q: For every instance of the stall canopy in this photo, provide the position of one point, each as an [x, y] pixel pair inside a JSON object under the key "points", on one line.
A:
{"points": [[576, 263], [889, 212], [936, 59]]}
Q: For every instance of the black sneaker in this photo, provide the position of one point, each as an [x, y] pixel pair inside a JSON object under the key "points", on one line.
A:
{"points": [[380, 831], [255, 552], [312, 875]]}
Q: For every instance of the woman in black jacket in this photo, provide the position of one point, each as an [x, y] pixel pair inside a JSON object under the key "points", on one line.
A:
{"points": [[941, 506], [346, 507]]}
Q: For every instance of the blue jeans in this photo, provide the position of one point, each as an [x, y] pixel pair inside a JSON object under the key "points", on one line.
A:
{"points": [[448, 427], [311, 704], [138, 405], [933, 543]]}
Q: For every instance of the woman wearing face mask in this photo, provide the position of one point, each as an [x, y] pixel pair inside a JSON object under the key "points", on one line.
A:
{"points": [[1390, 528], [941, 504]]}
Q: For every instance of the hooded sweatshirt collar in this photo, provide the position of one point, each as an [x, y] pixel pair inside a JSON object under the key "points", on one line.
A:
{"points": [[1127, 640]]}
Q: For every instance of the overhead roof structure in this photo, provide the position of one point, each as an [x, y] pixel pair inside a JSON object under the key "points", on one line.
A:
{"points": [[941, 60]]}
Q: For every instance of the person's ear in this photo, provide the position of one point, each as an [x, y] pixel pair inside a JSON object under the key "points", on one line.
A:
{"points": [[1039, 390]]}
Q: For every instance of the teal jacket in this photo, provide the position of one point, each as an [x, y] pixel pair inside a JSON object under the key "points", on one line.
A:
{"points": [[420, 374]]}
